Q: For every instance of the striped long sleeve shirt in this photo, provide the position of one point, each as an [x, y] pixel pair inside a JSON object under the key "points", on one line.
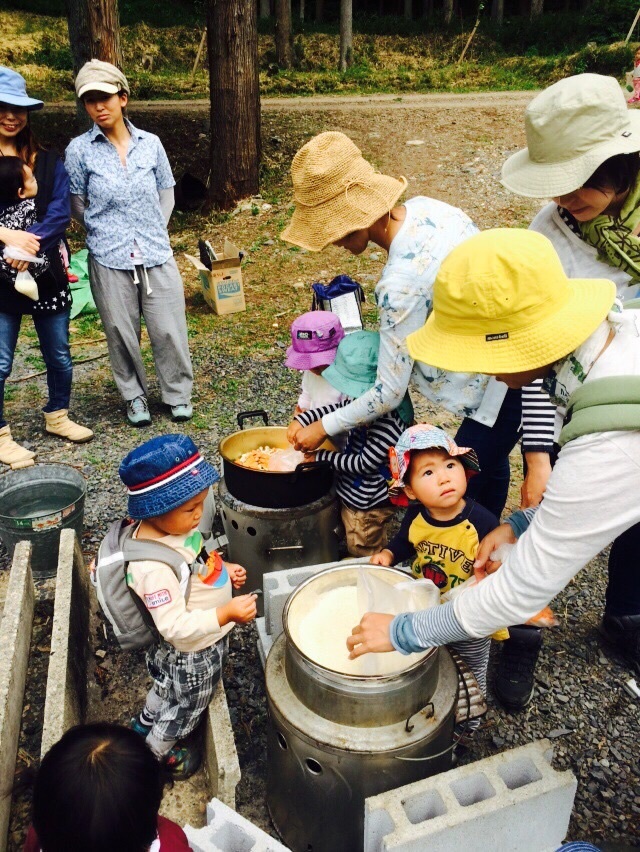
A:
{"points": [[363, 468], [538, 419]]}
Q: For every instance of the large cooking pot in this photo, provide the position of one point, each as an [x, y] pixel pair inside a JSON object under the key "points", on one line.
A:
{"points": [[271, 489]]}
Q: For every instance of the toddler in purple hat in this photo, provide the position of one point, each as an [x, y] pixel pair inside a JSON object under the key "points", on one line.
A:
{"points": [[314, 340]]}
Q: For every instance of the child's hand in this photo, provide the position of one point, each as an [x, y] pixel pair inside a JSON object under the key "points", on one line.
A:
{"points": [[237, 574], [241, 609], [382, 557], [483, 565], [292, 431]]}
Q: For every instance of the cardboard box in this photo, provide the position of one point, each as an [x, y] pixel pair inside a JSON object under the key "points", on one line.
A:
{"points": [[222, 286]]}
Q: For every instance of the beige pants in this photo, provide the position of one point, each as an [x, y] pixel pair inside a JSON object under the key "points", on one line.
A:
{"points": [[366, 529]]}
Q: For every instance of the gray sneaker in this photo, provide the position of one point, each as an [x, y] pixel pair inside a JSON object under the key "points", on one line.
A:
{"points": [[138, 411], [183, 412]]}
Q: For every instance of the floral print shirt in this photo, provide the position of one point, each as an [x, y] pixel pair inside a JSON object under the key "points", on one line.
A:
{"points": [[123, 202], [431, 229]]}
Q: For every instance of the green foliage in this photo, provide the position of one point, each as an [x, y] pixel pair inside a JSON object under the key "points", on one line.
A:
{"points": [[52, 52]]}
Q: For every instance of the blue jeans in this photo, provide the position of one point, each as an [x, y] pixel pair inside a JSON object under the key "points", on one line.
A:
{"points": [[53, 334], [492, 445]]}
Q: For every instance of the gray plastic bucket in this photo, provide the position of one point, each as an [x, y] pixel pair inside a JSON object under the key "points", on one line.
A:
{"points": [[36, 503]]}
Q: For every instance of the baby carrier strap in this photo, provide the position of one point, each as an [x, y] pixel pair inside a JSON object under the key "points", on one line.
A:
{"points": [[611, 404], [45, 171]]}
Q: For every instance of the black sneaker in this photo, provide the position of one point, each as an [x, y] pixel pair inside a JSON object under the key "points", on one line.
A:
{"points": [[513, 685], [183, 761], [623, 632]]}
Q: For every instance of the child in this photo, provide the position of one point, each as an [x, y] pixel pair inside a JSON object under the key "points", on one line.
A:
{"points": [[362, 469], [443, 530], [167, 482], [314, 340], [635, 78], [99, 788]]}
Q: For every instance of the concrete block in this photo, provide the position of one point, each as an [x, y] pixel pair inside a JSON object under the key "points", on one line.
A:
{"points": [[66, 697], [265, 641], [15, 639], [221, 757], [278, 585], [514, 802], [227, 831]]}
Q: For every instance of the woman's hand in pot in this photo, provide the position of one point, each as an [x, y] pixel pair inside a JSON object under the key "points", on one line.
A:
{"points": [[23, 240], [483, 564], [292, 431], [371, 635], [310, 437]]}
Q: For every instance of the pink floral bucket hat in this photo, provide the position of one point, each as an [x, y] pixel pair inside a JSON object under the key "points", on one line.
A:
{"points": [[423, 436]]}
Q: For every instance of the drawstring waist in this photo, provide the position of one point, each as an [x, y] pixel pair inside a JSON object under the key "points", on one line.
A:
{"points": [[145, 277]]}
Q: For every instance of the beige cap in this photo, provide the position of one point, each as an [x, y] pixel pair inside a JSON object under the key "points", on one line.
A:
{"points": [[336, 191], [98, 76], [572, 128]]}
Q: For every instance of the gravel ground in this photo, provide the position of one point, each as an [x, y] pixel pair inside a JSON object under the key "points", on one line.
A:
{"points": [[579, 701]]}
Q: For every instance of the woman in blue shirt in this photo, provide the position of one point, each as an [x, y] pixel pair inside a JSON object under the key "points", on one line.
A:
{"points": [[122, 192], [51, 311]]}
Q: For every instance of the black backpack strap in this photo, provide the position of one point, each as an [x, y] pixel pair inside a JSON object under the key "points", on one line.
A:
{"points": [[45, 171]]}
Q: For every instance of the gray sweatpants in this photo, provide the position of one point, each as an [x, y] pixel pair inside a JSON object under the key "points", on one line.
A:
{"points": [[121, 303]]}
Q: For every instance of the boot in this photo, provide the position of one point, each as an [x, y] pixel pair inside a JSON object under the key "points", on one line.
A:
{"points": [[12, 453], [58, 423], [623, 632], [513, 685]]}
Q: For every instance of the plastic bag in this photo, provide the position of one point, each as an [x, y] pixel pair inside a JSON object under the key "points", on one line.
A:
{"points": [[376, 595], [26, 284], [285, 460]]}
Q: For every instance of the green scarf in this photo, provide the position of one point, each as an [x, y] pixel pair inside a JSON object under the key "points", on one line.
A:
{"points": [[613, 236]]}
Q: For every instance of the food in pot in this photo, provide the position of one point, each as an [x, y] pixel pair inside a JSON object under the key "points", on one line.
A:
{"points": [[257, 459], [271, 458]]}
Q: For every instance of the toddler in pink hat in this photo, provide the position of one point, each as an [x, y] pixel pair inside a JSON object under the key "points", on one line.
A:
{"points": [[314, 340]]}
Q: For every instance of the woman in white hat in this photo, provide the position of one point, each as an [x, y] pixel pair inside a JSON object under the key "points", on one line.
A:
{"points": [[122, 192], [504, 305], [582, 152], [340, 199], [51, 310]]}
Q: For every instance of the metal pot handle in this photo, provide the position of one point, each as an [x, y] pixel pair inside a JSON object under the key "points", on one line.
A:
{"points": [[245, 415], [309, 465]]}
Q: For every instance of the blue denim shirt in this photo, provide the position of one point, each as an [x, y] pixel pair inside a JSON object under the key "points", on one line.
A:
{"points": [[123, 202]]}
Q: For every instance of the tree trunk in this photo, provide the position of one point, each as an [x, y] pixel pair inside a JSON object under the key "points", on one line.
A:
{"points": [[447, 8], [408, 9], [427, 8], [537, 8], [235, 100], [302, 11], [319, 11], [265, 8], [497, 12], [284, 50], [346, 33]]}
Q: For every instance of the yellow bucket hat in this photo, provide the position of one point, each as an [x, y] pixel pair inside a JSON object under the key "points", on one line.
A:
{"points": [[336, 191], [502, 303]]}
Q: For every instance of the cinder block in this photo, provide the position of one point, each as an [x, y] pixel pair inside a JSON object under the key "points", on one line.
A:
{"points": [[221, 757], [514, 802], [15, 638], [227, 831], [278, 585], [66, 697], [265, 641]]}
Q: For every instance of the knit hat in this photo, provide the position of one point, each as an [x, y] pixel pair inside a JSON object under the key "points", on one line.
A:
{"points": [[314, 339], [572, 128], [13, 90], [98, 76], [336, 191], [424, 436], [164, 473], [502, 304], [355, 366]]}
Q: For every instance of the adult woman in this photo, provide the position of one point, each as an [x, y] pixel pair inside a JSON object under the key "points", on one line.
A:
{"points": [[122, 191], [51, 311], [583, 146], [341, 200], [504, 305]]}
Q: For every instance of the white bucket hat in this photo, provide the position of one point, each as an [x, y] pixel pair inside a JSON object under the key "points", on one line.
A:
{"points": [[572, 128]]}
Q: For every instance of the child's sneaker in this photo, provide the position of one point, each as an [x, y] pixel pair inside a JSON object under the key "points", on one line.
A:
{"points": [[136, 725], [183, 762]]}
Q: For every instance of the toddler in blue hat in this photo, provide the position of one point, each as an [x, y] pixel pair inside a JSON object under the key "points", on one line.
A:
{"points": [[167, 482]]}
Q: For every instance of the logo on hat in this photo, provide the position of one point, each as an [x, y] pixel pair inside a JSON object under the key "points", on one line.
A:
{"points": [[504, 335], [304, 335]]}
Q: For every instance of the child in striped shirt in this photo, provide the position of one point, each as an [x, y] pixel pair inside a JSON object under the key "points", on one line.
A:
{"points": [[362, 468]]}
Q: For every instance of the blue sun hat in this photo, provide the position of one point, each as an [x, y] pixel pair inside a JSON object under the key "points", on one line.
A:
{"points": [[13, 90], [164, 473]]}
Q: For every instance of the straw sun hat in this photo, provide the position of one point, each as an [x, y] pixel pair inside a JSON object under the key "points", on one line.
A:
{"points": [[336, 191], [502, 304], [572, 128]]}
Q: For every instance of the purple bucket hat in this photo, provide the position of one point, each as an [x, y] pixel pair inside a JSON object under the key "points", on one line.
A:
{"points": [[423, 436], [314, 339]]}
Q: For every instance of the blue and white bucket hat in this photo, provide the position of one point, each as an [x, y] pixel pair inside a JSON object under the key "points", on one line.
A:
{"points": [[13, 90]]}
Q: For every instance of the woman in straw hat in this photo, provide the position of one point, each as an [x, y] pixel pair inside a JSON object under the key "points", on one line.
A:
{"points": [[582, 151], [122, 192], [504, 305], [341, 200]]}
